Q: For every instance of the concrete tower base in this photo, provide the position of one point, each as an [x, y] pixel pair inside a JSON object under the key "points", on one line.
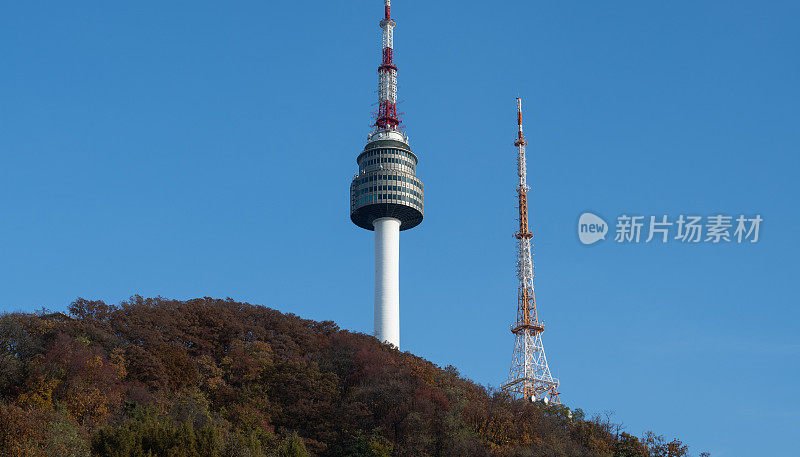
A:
{"points": [[387, 280]]}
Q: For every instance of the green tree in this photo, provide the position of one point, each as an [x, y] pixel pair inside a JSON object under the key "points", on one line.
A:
{"points": [[292, 446], [629, 446], [63, 439], [150, 434], [372, 445], [658, 447]]}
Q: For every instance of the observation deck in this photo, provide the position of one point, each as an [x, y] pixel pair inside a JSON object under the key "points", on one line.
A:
{"points": [[386, 184]]}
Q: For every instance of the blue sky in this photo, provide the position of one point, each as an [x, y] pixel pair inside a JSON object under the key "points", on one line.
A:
{"points": [[200, 148]]}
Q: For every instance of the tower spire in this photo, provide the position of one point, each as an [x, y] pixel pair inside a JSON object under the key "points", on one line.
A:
{"points": [[530, 375], [387, 76], [520, 136]]}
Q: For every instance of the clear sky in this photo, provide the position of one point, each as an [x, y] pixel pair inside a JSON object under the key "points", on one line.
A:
{"points": [[189, 149]]}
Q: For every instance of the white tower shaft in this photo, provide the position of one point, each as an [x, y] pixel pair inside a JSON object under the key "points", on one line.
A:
{"points": [[387, 280]]}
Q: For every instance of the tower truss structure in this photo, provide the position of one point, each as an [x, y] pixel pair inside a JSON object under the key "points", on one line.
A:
{"points": [[387, 75], [530, 376]]}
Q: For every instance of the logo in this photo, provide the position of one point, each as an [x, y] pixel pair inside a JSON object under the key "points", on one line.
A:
{"points": [[591, 228], [717, 229]]}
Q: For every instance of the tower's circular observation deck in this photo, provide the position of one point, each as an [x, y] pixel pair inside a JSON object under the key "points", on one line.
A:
{"points": [[386, 184]]}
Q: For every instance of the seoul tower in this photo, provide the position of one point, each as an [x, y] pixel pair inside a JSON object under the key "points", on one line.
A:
{"points": [[385, 195], [530, 376]]}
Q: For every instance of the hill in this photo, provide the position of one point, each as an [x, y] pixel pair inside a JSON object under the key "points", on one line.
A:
{"points": [[206, 377]]}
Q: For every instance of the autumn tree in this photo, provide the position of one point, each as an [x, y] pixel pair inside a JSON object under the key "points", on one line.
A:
{"points": [[210, 377]]}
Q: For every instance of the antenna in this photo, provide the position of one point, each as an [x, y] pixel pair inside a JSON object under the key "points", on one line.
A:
{"points": [[530, 375], [387, 76]]}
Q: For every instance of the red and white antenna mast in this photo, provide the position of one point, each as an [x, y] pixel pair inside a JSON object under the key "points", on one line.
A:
{"points": [[387, 76], [530, 375]]}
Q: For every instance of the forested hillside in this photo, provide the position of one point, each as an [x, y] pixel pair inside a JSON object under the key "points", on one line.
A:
{"points": [[205, 377]]}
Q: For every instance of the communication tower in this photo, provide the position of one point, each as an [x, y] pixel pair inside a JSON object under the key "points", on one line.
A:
{"points": [[386, 196], [530, 376]]}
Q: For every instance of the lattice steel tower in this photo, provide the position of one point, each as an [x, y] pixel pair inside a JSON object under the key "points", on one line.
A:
{"points": [[385, 195], [530, 376]]}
